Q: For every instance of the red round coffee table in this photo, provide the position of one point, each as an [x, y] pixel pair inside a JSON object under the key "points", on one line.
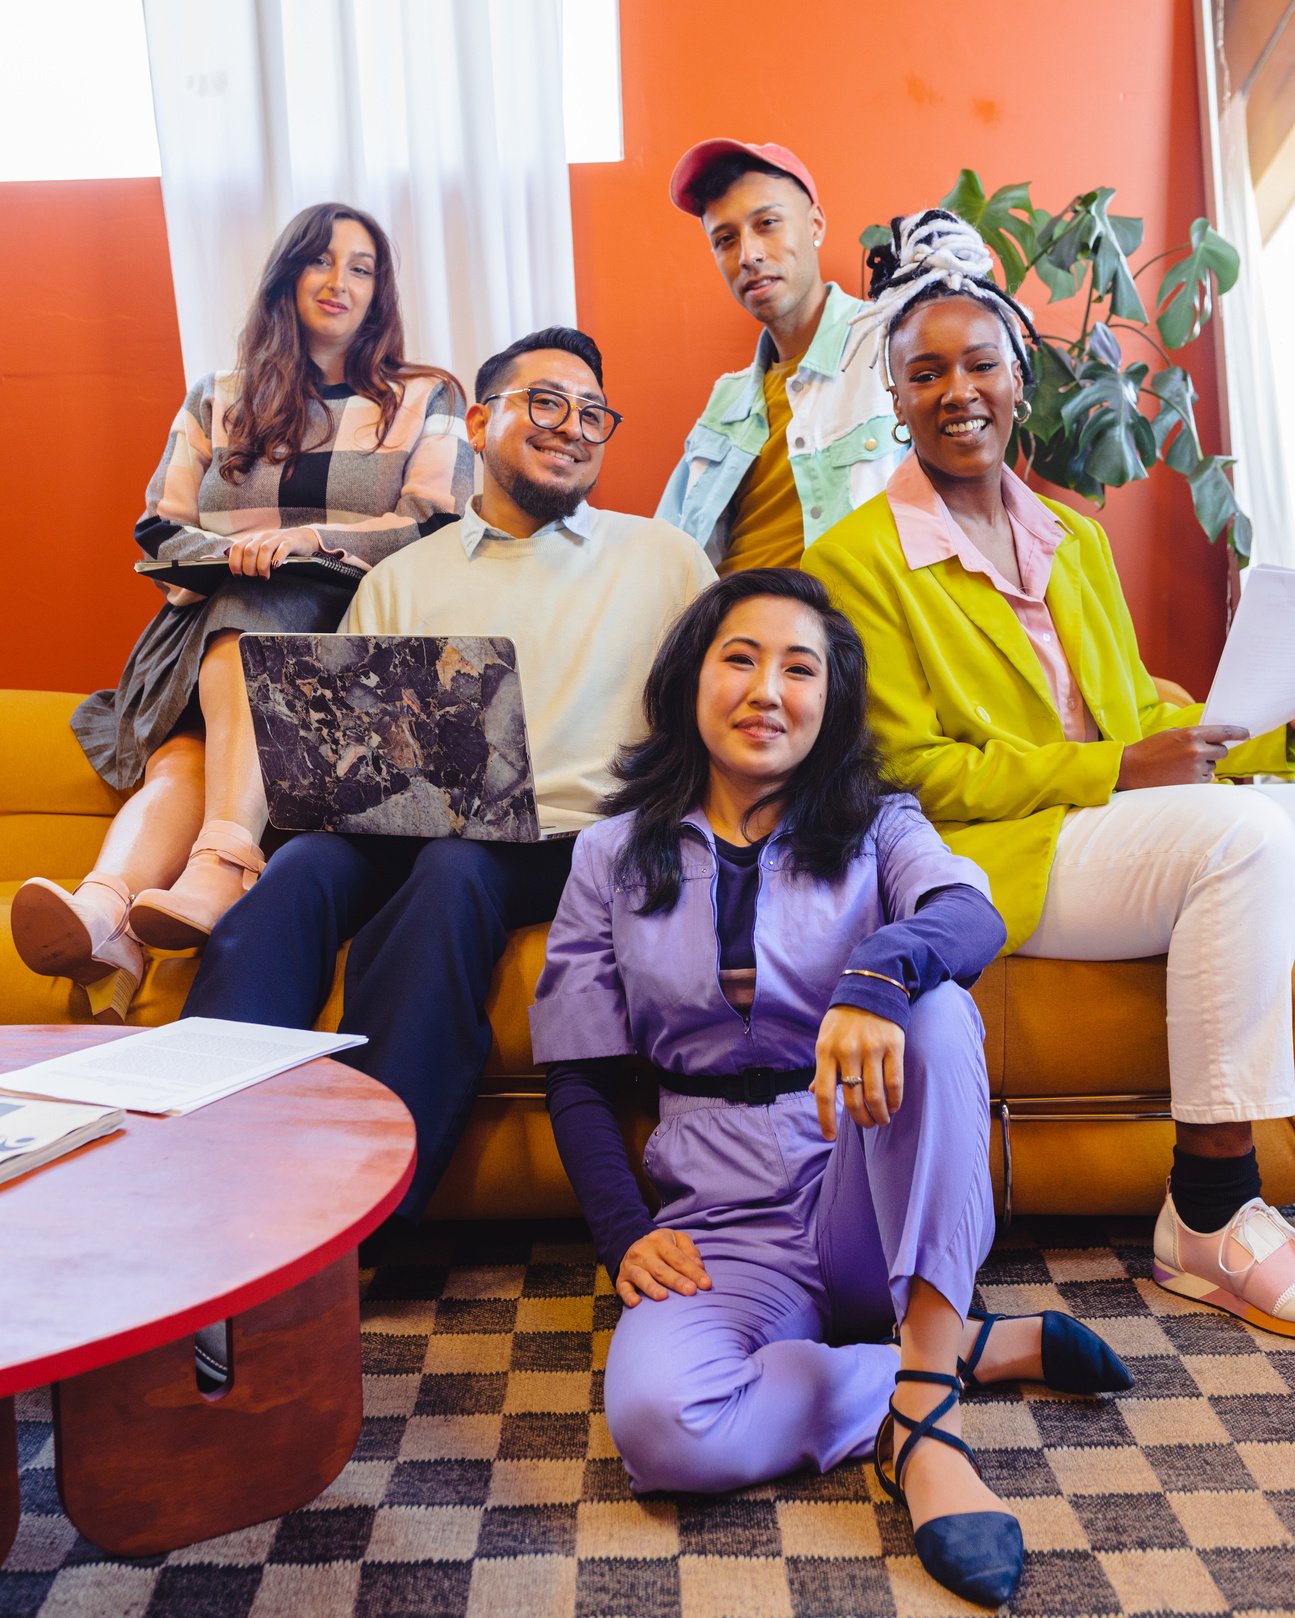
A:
{"points": [[248, 1210]]}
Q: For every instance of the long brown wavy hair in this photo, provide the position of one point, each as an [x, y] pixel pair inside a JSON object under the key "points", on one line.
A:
{"points": [[279, 405]]}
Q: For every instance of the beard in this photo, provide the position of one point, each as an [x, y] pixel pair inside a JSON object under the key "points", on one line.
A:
{"points": [[545, 502]]}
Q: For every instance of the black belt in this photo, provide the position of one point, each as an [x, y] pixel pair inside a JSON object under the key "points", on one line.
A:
{"points": [[753, 1086]]}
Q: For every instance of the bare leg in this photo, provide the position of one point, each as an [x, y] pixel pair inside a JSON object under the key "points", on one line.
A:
{"points": [[224, 858], [234, 789], [150, 838], [1215, 1140], [937, 1480]]}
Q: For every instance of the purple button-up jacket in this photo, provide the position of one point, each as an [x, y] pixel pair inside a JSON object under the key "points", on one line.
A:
{"points": [[616, 983]]}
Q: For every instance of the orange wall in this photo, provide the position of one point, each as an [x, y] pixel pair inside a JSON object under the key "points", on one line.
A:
{"points": [[884, 103], [90, 378]]}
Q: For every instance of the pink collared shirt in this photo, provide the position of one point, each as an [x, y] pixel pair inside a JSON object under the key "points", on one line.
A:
{"points": [[928, 533]]}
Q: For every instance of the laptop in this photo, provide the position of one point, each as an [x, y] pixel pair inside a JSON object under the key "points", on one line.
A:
{"points": [[396, 735]]}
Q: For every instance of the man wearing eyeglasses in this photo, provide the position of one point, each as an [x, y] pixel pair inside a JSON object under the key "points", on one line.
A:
{"points": [[585, 595], [792, 444]]}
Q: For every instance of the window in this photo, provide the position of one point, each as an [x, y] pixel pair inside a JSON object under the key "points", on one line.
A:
{"points": [[591, 81], [76, 99], [76, 102]]}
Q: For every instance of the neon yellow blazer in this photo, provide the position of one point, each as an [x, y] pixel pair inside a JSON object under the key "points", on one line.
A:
{"points": [[962, 709]]}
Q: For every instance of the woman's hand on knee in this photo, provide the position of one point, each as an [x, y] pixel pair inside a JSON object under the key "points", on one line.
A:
{"points": [[865, 1053], [254, 555], [659, 1263]]}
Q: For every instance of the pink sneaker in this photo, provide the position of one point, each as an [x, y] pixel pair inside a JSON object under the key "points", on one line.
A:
{"points": [[1247, 1267]]}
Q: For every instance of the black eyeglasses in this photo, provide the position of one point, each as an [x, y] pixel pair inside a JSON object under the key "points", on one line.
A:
{"points": [[548, 408]]}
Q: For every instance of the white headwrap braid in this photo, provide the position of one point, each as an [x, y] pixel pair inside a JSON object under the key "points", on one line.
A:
{"points": [[929, 248]]}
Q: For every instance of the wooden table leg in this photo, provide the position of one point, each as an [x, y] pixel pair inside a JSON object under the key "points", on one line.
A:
{"points": [[146, 1463], [8, 1477]]}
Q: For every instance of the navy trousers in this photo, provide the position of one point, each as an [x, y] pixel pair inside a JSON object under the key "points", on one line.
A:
{"points": [[427, 920]]}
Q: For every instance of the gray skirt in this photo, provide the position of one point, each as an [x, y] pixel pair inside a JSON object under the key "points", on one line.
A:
{"points": [[120, 730]]}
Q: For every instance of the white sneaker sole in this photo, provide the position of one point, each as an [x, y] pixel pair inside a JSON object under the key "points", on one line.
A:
{"points": [[1202, 1291]]}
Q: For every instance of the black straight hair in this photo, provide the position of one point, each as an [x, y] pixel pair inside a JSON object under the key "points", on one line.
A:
{"points": [[723, 174], [833, 797], [494, 371]]}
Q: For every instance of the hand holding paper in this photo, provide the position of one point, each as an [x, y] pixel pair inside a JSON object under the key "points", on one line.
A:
{"points": [[1180, 757]]}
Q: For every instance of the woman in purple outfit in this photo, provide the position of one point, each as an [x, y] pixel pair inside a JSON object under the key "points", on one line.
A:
{"points": [[784, 937]]}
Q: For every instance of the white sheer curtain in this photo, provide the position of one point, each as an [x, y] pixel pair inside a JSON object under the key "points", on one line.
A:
{"points": [[443, 118], [1259, 477], [1253, 425]]}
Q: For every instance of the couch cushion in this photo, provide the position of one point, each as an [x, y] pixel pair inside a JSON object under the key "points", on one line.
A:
{"points": [[54, 809]]}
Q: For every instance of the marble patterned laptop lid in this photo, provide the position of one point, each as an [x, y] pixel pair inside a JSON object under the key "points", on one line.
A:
{"points": [[402, 736]]}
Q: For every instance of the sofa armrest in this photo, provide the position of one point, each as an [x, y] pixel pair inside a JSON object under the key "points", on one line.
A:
{"points": [[42, 767]]}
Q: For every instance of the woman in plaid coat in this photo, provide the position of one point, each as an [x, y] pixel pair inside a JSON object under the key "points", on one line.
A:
{"points": [[324, 441]]}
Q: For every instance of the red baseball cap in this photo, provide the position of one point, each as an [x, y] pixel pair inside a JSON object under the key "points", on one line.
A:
{"points": [[697, 159]]}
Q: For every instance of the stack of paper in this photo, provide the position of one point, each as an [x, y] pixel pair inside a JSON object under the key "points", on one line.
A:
{"points": [[175, 1069], [1254, 684], [33, 1133]]}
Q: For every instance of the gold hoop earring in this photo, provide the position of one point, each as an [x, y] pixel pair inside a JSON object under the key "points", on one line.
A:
{"points": [[1022, 411], [894, 433]]}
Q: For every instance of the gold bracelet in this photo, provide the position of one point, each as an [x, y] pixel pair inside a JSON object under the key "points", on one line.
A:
{"points": [[858, 972]]}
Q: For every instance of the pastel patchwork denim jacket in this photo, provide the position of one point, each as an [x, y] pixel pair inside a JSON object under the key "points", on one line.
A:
{"points": [[839, 440]]}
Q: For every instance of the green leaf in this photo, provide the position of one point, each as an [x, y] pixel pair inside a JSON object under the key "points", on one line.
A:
{"points": [[1103, 343], [875, 236], [1086, 232], [1060, 283], [1111, 274], [1114, 437], [1185, 294], [1053, 375], [967, 197], [1128, 232], [1215, 503], [1005, 220], [1057, 462], [1174, 423]]}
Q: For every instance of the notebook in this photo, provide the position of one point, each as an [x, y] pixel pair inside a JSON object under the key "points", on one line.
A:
{"points": [[206, 575], [396, 735]]}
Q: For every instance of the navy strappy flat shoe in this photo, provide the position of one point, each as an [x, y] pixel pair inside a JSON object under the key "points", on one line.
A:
{"points": [[1075, 1359], [978, 1555]]}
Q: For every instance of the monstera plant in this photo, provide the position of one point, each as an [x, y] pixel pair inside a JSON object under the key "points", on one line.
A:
{"points": [[1099, 419]]}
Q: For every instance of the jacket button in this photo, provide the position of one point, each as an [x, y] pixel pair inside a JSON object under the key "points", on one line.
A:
{"points": [[870, 443], [800, 443], [816, 511]]}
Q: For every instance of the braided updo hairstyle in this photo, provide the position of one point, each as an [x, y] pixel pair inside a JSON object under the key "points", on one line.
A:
{"points": [[937, 255]]}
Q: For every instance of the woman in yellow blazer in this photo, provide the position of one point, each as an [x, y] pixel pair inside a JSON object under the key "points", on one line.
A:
{"points": [[1007, 690]]}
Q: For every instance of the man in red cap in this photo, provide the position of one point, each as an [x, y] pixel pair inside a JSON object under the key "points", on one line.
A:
{"points": [[790, 445]]}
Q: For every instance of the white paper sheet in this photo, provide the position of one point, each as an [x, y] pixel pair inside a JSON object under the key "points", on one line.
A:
{"points": [[174, 1069], [1255, 682]]}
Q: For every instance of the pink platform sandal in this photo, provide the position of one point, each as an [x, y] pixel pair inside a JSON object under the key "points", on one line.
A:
{"points": [[223, 865], [81, 936]]}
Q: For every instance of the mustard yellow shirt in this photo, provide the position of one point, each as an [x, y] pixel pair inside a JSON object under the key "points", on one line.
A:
{"points": [[767, 528], [961, 708]]}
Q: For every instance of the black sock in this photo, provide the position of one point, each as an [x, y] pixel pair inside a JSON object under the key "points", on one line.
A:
{"points": [[1207, 1191]]}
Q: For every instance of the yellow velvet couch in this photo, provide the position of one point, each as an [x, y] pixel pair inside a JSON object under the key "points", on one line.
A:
{"points": [[1076, 1050]]}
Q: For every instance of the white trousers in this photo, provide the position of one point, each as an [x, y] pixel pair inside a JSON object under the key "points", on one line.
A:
{"points": [[1205, 874]]}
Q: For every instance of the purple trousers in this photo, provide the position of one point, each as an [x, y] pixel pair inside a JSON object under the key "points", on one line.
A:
{"points": [[811, 1247]]}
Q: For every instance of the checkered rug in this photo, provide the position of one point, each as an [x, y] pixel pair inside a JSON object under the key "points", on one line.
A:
{"points": [[485, 1484]]}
